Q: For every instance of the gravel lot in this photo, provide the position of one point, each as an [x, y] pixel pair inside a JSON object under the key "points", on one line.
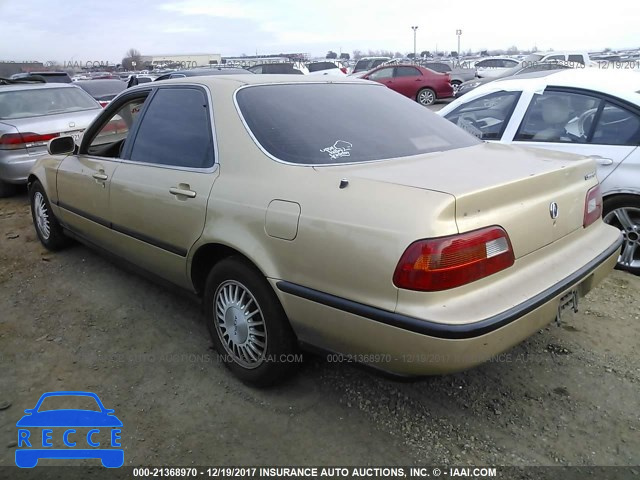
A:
{"points": [[74, 321]]}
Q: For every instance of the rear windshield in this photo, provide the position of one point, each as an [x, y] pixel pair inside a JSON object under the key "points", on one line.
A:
{"points": [[35, 102], [316, 67], [99, 89], [317, 124]]}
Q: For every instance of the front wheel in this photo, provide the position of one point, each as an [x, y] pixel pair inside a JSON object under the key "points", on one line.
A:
{"points": [[247, 324], [426, 96], [623, 212], [455, 85], [47, 227]]}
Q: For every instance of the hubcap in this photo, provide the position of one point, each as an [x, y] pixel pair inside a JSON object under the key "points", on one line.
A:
{"points": [[627, 219], [426, 97], [240, 324], [455, 87], [42, 215]]}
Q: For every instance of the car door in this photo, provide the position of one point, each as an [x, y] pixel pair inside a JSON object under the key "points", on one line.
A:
{"points": [[159, 193], [575, 121], [408, 80], [84, 180]]}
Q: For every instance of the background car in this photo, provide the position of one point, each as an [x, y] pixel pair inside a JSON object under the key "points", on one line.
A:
{"points": [[263, 207], [590, 112], [368, 63], [102, 90], [275, 68], [457, 75], [30, 116], [204, 71], [492, 67], [325, 68], [522, 69], [421, 84], [49, 77]]}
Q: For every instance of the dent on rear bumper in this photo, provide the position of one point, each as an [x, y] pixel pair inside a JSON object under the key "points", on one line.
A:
{"points": [[408, 345]]}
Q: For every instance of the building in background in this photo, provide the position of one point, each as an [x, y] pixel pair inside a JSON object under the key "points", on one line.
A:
{"points": [[180, 61]]}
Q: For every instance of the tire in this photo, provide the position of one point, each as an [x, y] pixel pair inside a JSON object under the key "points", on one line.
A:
{"points": [[455, 84], [47, 226], [623, 212], [7, 189], [426, 96], [255, 352]]}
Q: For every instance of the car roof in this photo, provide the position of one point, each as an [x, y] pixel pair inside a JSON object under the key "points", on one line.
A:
{"points": [[99, 81], [31, 86], [208, 71], [624, 84], [253, 79]]}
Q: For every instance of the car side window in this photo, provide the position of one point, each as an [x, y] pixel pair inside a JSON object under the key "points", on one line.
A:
{"points": [[110, 139], [616, 126], [559, 117], [576, 59], [556, 58], [175, 130], [438, 67], [407, 72], [485, 117], [381, 74]]}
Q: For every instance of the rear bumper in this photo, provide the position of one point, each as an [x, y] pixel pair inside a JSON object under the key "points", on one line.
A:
{"points": [[408, 345], [15, 165]]}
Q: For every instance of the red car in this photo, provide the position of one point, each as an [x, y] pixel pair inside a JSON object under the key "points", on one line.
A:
{"points": [[423, 85]]}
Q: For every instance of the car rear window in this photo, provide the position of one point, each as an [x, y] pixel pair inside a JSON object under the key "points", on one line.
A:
{"points": [[316, 67], [100, 89], [319, 124], [34, 102]]}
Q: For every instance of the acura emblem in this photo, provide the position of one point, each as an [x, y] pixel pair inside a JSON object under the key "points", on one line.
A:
{"points": [[553, 210]]}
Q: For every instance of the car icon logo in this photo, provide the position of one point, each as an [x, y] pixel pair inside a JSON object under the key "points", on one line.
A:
{"points": [[69, 433]]}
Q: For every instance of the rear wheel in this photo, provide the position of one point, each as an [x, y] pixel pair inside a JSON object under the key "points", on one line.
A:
{"points": [[623, 212], [248, 326], [47, 227], [426, 96], [7, 189], [456, 85]]}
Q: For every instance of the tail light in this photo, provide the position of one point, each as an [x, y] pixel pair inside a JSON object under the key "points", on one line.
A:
{"points": [[103, 103], [14, 141], [343, 70], [441, 263], [592, 206]]}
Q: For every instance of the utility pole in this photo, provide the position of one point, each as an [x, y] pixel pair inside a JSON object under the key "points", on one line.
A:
{"points": [[459, 34], [414, 42]]}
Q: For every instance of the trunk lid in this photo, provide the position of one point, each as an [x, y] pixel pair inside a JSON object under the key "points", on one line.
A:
{"points": [[497, 184], [73, 124]]}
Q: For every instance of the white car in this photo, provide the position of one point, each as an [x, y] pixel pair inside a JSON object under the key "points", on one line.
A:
{"points": [[494, 66], [589, 112]]}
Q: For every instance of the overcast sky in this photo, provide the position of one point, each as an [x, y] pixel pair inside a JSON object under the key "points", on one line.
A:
{"points": [[83, 30]]}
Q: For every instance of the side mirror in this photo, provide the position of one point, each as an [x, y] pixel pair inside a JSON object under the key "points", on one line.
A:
{"points": [[61, 146]]}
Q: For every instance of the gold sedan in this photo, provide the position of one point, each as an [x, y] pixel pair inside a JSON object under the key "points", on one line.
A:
{"points": [[331, 214]]}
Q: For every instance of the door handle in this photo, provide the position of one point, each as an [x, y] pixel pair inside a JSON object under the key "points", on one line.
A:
{"points": [[183, 192], [100, 176], [602, 160]]}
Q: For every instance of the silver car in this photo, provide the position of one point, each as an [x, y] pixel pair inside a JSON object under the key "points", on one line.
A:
{"points": [[31, 115]]}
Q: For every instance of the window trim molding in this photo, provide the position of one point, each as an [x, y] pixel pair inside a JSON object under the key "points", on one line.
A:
{"points": [[126, 154]]}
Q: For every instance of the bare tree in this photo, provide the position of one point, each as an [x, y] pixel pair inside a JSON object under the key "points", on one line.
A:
{"points": [[357, 55], [132, 55]]}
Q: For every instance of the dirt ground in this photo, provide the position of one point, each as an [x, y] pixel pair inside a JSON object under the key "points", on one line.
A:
{"points": [[72, 320]]}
